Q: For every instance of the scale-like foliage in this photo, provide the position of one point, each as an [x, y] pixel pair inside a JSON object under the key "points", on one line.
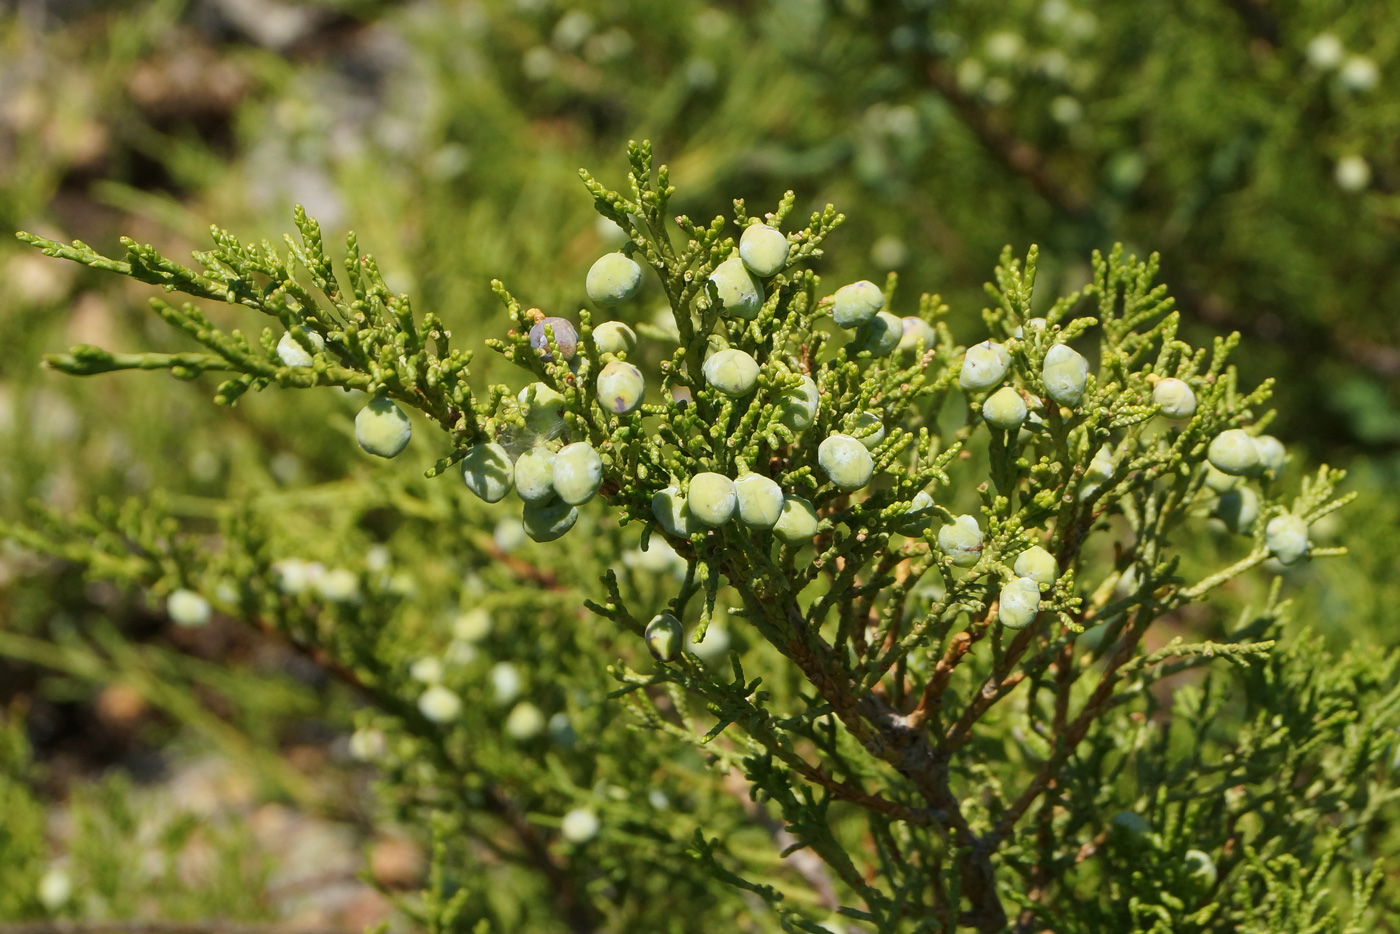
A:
{"points": [[949, 656]]}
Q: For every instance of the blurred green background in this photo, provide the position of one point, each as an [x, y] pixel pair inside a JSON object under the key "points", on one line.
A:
{"points": [[1253, 144]]}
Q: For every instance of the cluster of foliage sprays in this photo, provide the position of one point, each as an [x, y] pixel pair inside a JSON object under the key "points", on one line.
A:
{"points": [[918, 528]]}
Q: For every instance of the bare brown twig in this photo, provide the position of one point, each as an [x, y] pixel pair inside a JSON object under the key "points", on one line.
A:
{"points": [[886, 734], [958, 646], [1076, 729], [1013, 152], [313, 653], [997, 684]]}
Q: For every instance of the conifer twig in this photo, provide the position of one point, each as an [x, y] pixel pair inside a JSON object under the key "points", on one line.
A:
{"points": [[1015, 153]]}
